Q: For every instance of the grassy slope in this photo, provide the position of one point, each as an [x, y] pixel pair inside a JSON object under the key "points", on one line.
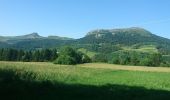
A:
{"points": [[96, 81], [89, 53], [144, 48]]}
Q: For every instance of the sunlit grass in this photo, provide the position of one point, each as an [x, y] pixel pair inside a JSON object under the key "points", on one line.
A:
{"points": [[96, 74]]}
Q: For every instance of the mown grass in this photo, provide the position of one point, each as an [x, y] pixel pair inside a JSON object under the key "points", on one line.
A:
{"points": [[46, 81]]}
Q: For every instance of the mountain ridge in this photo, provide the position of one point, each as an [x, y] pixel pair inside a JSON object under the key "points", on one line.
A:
{"points": [[103, 31], [33, 35], [93, 40], [120, 30], [118, 35]]}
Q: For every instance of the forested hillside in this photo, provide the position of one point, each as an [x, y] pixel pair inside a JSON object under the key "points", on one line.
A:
{"points": [[132, 46]]}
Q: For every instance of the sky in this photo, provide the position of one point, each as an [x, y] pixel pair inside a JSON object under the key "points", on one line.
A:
{"points": [[74, 18]]}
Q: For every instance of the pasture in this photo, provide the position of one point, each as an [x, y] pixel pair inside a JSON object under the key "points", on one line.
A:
{"points": [[93, 81]]}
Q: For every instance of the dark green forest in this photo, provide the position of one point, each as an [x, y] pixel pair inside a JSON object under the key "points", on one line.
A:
{"points": [[23, 55], [65, 55]]}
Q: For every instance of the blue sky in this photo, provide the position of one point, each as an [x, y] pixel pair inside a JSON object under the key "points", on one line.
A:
{"points": [[74, 18]]}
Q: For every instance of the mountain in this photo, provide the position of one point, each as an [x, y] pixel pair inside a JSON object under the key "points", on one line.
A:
{"points": [[14, 39], [102, 40], [29, 36], [130, 31], [32, 41], [131, 38], [59, 38], [127, 36]]}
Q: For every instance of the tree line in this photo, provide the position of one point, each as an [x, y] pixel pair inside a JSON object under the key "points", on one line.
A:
{"points": [[65, 55], [134, 58], [28, 56], [70, 56]]}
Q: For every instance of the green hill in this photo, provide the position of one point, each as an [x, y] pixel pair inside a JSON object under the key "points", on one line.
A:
{"points": [[99, 41], [133, 38], [128, 36]]}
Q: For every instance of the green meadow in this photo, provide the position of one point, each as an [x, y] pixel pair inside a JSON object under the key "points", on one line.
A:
{"points": [[47, 81]]}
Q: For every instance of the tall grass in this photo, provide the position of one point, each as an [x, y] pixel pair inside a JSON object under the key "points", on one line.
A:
{"points": [[46, 81]]}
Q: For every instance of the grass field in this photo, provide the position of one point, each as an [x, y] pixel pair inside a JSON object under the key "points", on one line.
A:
{"points": [[46, 81]]}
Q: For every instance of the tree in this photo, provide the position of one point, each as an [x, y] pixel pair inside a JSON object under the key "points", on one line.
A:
{"points": [[152, 60], [47, 55], [54, 54], [145, 62], [30, 55], [85, 59], [27, 56], [20, 55], [1, 54], [100, 58], [66, 60], [124, 58], [135, 59], [36, 55], [69, 56], [13, 54], [156, 59]]}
